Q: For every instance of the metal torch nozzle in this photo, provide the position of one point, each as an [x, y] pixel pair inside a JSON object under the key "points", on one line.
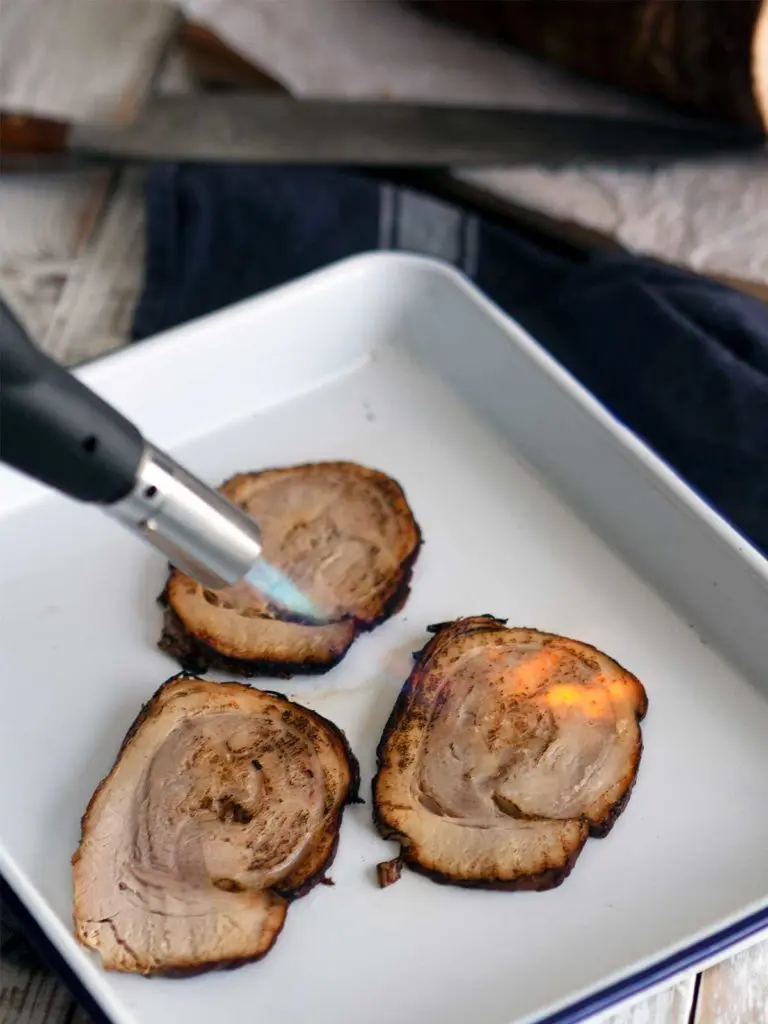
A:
{"points": [[202, 533]]}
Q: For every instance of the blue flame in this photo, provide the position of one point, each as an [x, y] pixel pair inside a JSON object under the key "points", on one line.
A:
{"points": [[275, 586]]}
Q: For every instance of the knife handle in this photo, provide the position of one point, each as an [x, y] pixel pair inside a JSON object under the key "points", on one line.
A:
{"points": [[22, 135]]}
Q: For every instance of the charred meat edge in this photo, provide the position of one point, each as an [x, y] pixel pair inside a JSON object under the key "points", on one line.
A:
{"points": [[198, 657], [388, 871], [548, 879], [353, 797]]}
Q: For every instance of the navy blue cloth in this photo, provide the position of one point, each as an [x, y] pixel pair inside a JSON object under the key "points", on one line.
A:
{"points": [[681, 360]]}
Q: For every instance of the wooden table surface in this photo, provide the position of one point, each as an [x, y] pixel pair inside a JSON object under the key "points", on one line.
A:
{"points": [[71, 258]]}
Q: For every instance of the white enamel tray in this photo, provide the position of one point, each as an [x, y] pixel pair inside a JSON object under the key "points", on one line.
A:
{"points": [[535, 505]]}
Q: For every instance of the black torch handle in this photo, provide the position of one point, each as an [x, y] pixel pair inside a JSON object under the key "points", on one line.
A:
{"points": [[55, 429]]}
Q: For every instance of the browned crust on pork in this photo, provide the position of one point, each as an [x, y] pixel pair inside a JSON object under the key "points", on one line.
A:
{"points": [[388, 871], [287, 894], [197, 657], [207, 966], [147, 709], [539, 881], [393, 598], [194, 968], [197, 654], [551, 878]]}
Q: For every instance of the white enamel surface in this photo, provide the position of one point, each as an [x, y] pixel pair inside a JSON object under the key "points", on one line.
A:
{"points": [[397, 363]]}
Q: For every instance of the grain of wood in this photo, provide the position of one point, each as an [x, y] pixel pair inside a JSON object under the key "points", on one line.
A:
{"points": [[93, 315], [32, 996], [46, 222], [77, 59], [73, 59], [48, 216], [94, 308], [736, 991], [672, 1006]]}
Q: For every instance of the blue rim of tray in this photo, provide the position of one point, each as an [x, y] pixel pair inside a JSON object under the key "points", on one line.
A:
{"points": [[637, 983]]}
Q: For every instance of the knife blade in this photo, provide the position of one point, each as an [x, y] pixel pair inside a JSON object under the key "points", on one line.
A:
{"points": [[245, 127]]}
